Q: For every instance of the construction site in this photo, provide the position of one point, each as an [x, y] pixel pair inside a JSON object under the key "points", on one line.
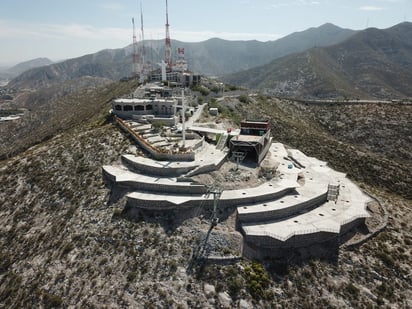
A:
{"points": [[294, 202]]}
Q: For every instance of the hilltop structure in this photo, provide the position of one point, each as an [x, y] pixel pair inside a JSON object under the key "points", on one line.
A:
{"points": [[299, 203], [253, 141], [175, 74], [158, 97]]}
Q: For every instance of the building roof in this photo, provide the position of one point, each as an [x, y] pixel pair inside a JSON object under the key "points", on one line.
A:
{"points": [[131, 101]]}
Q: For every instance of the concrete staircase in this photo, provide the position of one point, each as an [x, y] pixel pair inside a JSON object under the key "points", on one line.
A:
{"points": [[222, 141]]}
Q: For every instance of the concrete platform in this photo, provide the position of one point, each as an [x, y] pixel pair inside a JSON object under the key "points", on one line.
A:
{"points": [[281, 223], [149, 166], [123, 177], [229, 198], [291, 210], [329, 218]]}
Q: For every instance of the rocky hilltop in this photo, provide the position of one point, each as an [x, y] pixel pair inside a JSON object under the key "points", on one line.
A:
{"points": [[65, 240]]}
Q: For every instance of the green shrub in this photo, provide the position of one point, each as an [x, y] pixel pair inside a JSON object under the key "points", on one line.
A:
{"points": [[52, 301], [244, 98], [352, 290], [235, 285], [67, 248], [131, 276]]}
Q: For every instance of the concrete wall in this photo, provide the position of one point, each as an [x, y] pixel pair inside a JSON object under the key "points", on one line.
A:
{"points": [[197, 200], [156, 170], [247, 200], [351, 225], [163, 204], [154, 152], [199, 144], [177, 188], [316, 244], [207, 168], [259, 247], [262, 155], [283, 212]]}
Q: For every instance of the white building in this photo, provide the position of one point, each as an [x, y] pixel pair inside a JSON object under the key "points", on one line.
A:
{"points": [[147, 109]]}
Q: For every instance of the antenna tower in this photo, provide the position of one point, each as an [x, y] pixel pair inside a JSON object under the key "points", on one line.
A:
{"points": [[168, 54], [135, 56], [142, 51]]}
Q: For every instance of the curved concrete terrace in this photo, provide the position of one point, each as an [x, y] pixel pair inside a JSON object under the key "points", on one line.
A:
{"points": [[123, 177], [317, 225], [207, 159], [289, 211], [311, 194], [265, 192], [161, 168], [284, 225]]}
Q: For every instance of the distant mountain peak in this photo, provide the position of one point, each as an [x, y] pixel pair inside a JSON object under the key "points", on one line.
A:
{"points": [[329, 25], [27, 65], [372, 63]]}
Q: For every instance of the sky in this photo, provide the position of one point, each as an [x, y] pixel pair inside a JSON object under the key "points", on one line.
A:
{"points": [[61, 29]]}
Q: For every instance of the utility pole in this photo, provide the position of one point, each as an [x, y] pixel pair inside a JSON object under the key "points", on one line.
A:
{"points": [[217, 192], [183, 119]]}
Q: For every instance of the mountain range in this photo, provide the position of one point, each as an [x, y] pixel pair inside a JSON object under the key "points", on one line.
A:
{"points": [[213, 57], [11, 72], [322, 62], [372, 63]]}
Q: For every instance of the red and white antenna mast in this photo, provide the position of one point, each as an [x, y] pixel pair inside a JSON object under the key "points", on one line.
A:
{"points": [[135, 56], [168, 55]]}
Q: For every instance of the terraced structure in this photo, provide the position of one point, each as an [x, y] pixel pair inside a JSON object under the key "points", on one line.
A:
{"points": [[303, 203]]}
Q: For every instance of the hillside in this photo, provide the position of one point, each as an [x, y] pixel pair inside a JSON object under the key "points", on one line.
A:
{"points": [[27, 65], [110, 64], [65, 241], [51, 110], [371, 64], [211, 57], [219, 57], [370, 142], [7, 73]]}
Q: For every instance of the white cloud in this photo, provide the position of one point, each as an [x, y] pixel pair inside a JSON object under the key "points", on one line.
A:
{"points": [[10, 29], [83, 32], [371, 8]]}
